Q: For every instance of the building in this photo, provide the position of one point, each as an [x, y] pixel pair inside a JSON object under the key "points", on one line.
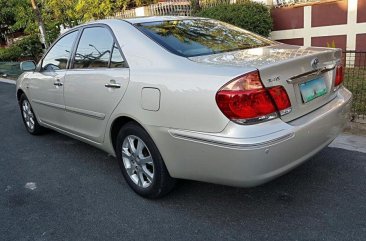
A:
{"points": [[323, 23]]}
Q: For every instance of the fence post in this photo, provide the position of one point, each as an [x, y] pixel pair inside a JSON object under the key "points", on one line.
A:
{"points": [[140, 12]]}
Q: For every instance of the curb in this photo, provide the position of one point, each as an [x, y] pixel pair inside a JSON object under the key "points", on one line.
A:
{"points": [[356, 128], [350, 142], [8, 81]]}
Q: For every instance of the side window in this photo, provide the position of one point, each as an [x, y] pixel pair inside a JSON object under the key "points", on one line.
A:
{"points": [[58, 56], [117, 60], [94, 49]]}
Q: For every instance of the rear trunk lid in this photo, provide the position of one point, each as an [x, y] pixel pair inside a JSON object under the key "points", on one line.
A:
{"points": [[307, 74]]}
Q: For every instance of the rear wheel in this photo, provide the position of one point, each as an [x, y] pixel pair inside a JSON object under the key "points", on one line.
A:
{"points": [[141, 163], [28, 116]]}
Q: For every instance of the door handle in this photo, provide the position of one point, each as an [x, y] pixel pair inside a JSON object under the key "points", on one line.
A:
{"points": [[113, 85], [58, 83]]}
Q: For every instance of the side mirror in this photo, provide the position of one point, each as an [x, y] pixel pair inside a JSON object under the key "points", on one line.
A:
{"points": [[27, 65]]}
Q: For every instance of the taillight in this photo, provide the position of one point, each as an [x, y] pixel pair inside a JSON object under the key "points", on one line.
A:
{"points": [[280, 98], [245, 100], [339, 75]]}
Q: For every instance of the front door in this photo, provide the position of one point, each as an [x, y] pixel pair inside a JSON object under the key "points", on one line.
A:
{"points": [[46, 87], [95, 84]]}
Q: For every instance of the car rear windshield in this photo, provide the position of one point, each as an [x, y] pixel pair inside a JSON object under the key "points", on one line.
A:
{"points": [[195, 37]]}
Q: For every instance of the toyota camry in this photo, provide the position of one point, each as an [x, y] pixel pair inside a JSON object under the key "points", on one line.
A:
{"points": [[187, 98]]}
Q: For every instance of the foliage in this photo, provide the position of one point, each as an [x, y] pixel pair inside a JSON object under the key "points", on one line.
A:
{"points": [[70, 13], [251, 16], [16, 14], [139, 3], [10, 54], [355, 81], [97, 9], [61, 12], [29, 47], [195, 6]]}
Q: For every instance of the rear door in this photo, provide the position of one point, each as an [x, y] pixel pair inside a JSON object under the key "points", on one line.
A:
{"points": [[47, 86], [95, 83]]}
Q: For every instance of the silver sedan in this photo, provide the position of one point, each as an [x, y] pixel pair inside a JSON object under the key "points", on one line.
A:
{"points": [[190, 98]]}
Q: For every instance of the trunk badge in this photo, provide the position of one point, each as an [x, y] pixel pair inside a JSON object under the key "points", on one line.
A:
{"points": [[274, 79]]}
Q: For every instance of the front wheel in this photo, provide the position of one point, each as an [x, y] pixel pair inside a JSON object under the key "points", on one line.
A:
{"points": [[141, 163], [28, 116]]}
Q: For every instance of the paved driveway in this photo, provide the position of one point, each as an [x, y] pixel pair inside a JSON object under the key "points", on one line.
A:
{"points": [[55, 188]]}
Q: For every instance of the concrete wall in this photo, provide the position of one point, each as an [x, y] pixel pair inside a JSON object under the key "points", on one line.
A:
{"points": [[320, 24]]}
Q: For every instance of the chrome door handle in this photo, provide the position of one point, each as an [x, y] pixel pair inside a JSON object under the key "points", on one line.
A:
{"points": [[111, 85]]}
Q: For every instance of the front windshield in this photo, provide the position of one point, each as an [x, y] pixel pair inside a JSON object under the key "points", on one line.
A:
{"points": [[195, 37]]}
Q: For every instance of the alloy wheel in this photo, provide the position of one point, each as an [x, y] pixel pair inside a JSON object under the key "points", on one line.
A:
{"points": [[138, 161], [28, 115]]}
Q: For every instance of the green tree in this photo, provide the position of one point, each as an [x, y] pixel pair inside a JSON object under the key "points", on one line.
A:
{"points": [[61, 12], [98, 9], [252, 16], [16, 15], [195, 5]]}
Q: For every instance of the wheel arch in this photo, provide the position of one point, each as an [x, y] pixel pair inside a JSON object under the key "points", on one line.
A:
{"points": [[19, 94], [121, 121], [117, 124]]}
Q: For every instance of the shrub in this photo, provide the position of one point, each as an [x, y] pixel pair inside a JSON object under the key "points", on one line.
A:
{"points": [[251, 16], [29, 47], [10, 54]]}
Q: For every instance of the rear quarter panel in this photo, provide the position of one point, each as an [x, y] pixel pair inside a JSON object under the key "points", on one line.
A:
{"points": [[187, 97]]}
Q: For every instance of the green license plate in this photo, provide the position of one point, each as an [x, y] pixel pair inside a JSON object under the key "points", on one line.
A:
{"points": [[313, 89]]}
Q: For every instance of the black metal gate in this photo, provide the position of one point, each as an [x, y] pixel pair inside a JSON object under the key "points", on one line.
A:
{"points": [[355, 81]]}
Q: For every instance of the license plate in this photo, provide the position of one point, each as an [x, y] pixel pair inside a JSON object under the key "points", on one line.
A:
{"points": [[313, 89]]}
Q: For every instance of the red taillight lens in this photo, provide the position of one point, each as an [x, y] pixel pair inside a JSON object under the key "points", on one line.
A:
{"points": [[339, 75], [280, 97], [245, 100], [245, 104]]}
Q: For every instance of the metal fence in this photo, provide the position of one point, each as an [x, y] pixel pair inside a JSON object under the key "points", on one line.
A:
{"points": [[9, 70], [172, 8], [355, 81], [126, 14]]}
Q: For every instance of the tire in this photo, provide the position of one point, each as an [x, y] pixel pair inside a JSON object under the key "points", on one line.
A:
{"points": [[28, 116], [138, 158]]}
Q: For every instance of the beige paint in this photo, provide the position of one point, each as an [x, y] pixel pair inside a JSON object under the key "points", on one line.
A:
{"points": [[194, 138]]}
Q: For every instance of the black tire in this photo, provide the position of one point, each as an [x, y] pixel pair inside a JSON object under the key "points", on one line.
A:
{"points": [[162, 183], [37, 128]]}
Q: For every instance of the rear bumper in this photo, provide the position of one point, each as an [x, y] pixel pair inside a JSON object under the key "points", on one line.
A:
{"points": [[251, 155]]}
